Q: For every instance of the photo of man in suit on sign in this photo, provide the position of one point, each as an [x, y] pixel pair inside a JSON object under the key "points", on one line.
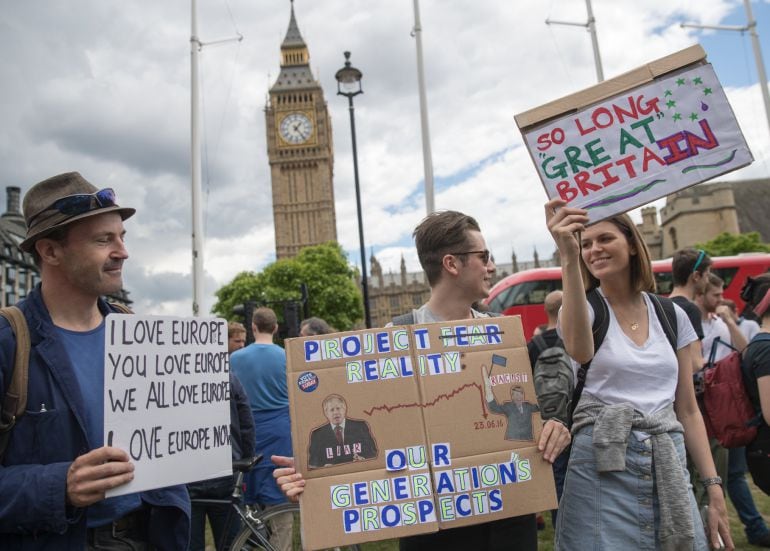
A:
{"points": [[342, 439]]}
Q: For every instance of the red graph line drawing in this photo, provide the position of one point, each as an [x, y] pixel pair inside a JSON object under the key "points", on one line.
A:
{"points": [[438, 398]]}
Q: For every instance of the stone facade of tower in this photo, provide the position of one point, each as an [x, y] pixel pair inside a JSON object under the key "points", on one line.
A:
{"points": [[300, 152], [697, 214], [700, 213]]}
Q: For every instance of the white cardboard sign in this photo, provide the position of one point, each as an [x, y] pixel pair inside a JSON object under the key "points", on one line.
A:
{"points": [[167, 398], [640, 145]]}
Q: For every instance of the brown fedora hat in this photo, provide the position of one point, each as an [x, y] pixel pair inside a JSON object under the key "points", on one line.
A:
{"points": [[42, 217]]}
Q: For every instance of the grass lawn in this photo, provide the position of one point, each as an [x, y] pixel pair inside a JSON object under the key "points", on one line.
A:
{"points": [[545, 537]]}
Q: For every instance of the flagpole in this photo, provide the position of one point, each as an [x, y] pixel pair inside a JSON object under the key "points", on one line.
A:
{"points": [[591, 26], [195, 156], [427, 157], [751, 27]]}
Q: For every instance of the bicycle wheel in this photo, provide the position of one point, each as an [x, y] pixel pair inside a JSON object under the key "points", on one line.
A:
{"points": [[266, 535]]}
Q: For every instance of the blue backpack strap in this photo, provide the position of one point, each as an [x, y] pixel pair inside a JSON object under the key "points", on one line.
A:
{"points": [[664, 309], [599, 329]]}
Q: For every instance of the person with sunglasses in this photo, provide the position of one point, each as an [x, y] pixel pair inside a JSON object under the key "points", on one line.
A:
{"points": [[627, 482], [459, 268], [57, 468]]}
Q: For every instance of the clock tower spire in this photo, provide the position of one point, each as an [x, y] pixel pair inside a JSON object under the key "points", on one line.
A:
{"points": [[299, 149]]}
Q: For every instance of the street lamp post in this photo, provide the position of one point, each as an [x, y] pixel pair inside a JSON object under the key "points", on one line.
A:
{"points": [[349, 85]]}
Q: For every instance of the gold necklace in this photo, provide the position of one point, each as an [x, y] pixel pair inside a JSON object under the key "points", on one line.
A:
{"points": [[634, 325]]}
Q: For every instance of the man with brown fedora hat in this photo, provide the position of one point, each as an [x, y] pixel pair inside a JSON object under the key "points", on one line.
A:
{"points": [[56, 468]]}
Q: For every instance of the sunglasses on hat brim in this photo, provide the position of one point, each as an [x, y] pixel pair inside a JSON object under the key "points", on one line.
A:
{"points": [[80, 203]]}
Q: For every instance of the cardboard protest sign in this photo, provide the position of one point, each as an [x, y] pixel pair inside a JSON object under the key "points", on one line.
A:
{"points": [[636, 138], [167, 398], [412, 429]]}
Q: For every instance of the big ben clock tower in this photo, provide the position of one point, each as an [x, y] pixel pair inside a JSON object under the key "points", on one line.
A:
{"points": [[299, 148]]}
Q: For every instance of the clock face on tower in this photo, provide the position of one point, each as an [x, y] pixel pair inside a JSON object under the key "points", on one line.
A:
{"points": [[296, 128]]}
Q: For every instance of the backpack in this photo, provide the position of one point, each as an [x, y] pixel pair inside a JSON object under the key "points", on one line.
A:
{"points": [[15, 399], [729, 414], [554, 380], [664, 310]]}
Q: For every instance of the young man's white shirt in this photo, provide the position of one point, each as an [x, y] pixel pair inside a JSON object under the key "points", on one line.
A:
{"points": [[748, 328], [714, 327]]}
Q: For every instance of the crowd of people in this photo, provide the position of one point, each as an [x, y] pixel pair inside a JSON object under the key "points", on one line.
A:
{"points": [[625, 466]]}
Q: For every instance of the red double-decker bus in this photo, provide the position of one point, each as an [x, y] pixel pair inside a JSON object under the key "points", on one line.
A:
{"points": [[522, 293]]}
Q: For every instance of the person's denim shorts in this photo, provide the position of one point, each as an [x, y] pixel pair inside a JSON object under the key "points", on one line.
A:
{"points": [[615, 510]]}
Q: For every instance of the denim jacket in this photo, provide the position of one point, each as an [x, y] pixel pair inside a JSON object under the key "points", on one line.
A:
{"points": [[47, 438]]}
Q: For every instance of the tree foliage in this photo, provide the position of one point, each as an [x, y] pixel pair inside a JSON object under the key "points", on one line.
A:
{"points": [[333, 294], [727, 244]]}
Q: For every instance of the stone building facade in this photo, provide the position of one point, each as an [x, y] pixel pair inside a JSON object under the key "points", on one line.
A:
{"points": [[700, 213], [18, 273]]}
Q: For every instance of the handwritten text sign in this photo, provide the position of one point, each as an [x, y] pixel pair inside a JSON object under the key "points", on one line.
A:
{"points": [[166, 398], [640, 145], [412, 429]]}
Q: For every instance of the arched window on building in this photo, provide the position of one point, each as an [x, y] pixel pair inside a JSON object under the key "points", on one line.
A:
{"points": [[674, 241]]}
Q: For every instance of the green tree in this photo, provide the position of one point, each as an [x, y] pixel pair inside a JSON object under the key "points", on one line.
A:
{"points": [[333, 294], [727, 244]]}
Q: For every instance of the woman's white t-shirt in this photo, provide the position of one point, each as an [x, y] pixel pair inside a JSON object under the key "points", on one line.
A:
{"points": [[644, 376]]}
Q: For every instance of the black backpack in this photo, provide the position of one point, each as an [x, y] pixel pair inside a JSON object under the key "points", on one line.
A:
{"points": [[664, 309], [554, 380]]}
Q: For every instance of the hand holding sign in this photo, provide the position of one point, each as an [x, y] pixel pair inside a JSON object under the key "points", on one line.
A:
{"points": [[92, 474], [565, 223], [554, 438], [291, 483]]}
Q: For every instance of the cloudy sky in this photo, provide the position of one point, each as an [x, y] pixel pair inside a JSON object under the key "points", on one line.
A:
{"points": [[103, 87]]}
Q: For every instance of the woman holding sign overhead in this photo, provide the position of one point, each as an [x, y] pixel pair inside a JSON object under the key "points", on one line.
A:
{"points": [[627, 479]]}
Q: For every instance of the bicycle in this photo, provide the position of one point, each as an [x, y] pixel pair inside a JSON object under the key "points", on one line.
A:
{"points": [[257, 523]]}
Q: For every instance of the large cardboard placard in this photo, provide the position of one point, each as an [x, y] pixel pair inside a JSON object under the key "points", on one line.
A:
{"points": [[636, 138], [440, 430], [167, 398]]}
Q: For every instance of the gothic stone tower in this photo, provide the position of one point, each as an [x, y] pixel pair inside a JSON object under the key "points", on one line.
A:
{"points": [[299, 148]]}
